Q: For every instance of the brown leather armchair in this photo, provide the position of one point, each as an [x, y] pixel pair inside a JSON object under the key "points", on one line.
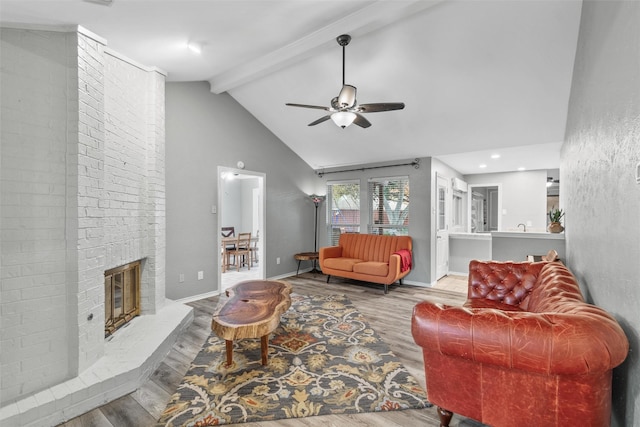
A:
{"points": [[524, 350]]}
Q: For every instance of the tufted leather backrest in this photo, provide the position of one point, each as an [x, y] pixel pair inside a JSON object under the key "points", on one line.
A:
{"points": [[530, 286], [503, 282], [372, 247], [556, 287]]}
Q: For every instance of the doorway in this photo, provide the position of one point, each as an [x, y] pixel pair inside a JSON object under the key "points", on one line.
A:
{"points": [[442, 227], [241, 205], [485, 207]]}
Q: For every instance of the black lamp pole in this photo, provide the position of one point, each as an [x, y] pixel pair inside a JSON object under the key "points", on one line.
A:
{"points": [[315, 235], [316, 201]]}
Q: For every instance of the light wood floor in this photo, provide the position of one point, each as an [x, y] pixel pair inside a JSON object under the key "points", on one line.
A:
{"points": [[389, 315]]}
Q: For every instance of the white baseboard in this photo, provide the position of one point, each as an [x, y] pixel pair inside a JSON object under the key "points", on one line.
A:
{"points": [[197, 297], [419, 284], [465, 274]]}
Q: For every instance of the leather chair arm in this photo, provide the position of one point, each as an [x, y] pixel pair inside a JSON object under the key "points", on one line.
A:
{"points": [[584, 339]]}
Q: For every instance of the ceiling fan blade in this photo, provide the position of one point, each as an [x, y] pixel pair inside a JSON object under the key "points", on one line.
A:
{"points": [[347, 96], [381, 106], [320, 120], [361, 121], [317, 107]]}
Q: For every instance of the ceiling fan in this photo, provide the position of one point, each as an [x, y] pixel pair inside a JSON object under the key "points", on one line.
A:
{"points": [[344, 108]]}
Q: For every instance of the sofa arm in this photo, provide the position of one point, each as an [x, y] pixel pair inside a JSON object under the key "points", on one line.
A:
{"points": [[330, 252], [587, 340]]}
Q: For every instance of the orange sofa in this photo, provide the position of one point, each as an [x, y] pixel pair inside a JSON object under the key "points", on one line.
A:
{"points": [[524, 350], [368, 257]]}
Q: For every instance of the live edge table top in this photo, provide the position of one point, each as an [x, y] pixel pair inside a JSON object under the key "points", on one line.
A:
{"points": [[252, 310]]}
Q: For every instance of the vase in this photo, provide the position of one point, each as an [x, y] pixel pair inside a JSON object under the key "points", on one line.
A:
{"points": [[555, 227]]}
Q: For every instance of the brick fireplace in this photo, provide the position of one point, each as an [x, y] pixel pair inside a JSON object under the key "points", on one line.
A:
{"points": [[83, 193], [122, 296]]}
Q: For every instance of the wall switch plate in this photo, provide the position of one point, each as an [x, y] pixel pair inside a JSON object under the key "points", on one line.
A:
{"points": [[181, 279], [200, 275], [278, 260], [214, 209], [638, 173]]}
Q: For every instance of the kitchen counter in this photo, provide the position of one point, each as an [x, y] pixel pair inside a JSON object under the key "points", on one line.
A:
{"points": [[463, 247], [517, 245], [478, 236], [528, 235]]}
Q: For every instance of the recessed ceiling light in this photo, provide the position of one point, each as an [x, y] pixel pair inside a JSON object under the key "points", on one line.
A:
{"points": [[482, 166], [521, 168], [495, 156]]}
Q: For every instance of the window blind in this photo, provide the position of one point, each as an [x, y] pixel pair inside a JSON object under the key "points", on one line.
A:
{"points": [[389, 198], [344, 209]]}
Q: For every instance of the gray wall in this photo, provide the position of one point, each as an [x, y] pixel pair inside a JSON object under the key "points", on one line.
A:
{"points": [[204, 131], [597, 179], [524, 197], [237, 204], [420, 216]]}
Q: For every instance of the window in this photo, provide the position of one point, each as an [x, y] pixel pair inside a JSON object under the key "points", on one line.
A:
{"points": [[389, 198], [344, 209]]}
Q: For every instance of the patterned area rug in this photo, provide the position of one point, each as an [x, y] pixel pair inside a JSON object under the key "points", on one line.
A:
{"points": [[323, 359]]}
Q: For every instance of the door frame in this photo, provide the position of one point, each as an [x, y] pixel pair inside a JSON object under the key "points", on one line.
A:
{"points": [[262, 223], [470, 201], [442, 270]]}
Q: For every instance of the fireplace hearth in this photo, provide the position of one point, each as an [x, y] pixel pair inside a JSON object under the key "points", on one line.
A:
{"points": [[122, 296]]}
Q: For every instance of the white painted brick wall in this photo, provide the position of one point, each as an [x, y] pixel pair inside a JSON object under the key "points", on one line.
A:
{"points": [[34, 327], [90, 172], [82, 190]]}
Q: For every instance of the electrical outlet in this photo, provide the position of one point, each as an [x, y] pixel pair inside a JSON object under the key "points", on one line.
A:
{"points": [[278, 260], [181, 277], [200, 275]]}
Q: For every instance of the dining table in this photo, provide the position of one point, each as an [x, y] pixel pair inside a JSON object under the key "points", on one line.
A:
{"points": [[225, 242]]}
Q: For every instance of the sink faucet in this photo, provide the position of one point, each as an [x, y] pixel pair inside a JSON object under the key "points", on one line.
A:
{"points": [[524, 227]]}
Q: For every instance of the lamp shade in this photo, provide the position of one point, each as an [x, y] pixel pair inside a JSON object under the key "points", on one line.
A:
{"points": [[343, 118], [317, 199]]}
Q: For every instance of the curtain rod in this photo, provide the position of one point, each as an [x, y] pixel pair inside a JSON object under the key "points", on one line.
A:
{"points": [[415, 164]]}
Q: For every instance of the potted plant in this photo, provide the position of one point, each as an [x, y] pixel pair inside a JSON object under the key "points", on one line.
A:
{"points": [[555, 215]]}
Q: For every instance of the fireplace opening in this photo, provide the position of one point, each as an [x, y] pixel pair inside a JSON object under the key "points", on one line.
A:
{"points": [[121, 296]]}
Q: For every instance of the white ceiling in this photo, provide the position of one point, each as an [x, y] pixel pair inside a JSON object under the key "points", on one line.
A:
{"points": [[477, 77]]}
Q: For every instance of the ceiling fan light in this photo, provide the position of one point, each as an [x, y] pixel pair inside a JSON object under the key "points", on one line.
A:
{"points": [[343, 118]]}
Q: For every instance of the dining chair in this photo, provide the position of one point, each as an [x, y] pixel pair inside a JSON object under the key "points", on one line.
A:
{"points": [[226, 251], [242, 252], [254, 248]]}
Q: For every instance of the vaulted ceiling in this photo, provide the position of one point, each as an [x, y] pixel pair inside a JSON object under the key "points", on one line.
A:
{"points": [[477, 77]]}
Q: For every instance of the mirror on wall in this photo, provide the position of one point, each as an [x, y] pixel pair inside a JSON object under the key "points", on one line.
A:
{"points": [[484, 208]]}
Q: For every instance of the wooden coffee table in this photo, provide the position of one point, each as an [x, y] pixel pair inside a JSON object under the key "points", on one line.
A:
{"points": [[252, 310]]}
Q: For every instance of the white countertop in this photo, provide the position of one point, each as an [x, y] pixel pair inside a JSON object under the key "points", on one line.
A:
{"points": [[528, 235], [477, 236]]}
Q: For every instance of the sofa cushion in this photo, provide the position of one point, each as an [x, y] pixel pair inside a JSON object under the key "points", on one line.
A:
{"points": [[372, 268], [343, 264], [372, 247]]}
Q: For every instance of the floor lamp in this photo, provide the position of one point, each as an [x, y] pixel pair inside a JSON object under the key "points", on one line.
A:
{"points": [[316, 201]]}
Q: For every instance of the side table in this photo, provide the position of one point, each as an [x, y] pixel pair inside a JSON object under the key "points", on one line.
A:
{"points": [[307, 256]]}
